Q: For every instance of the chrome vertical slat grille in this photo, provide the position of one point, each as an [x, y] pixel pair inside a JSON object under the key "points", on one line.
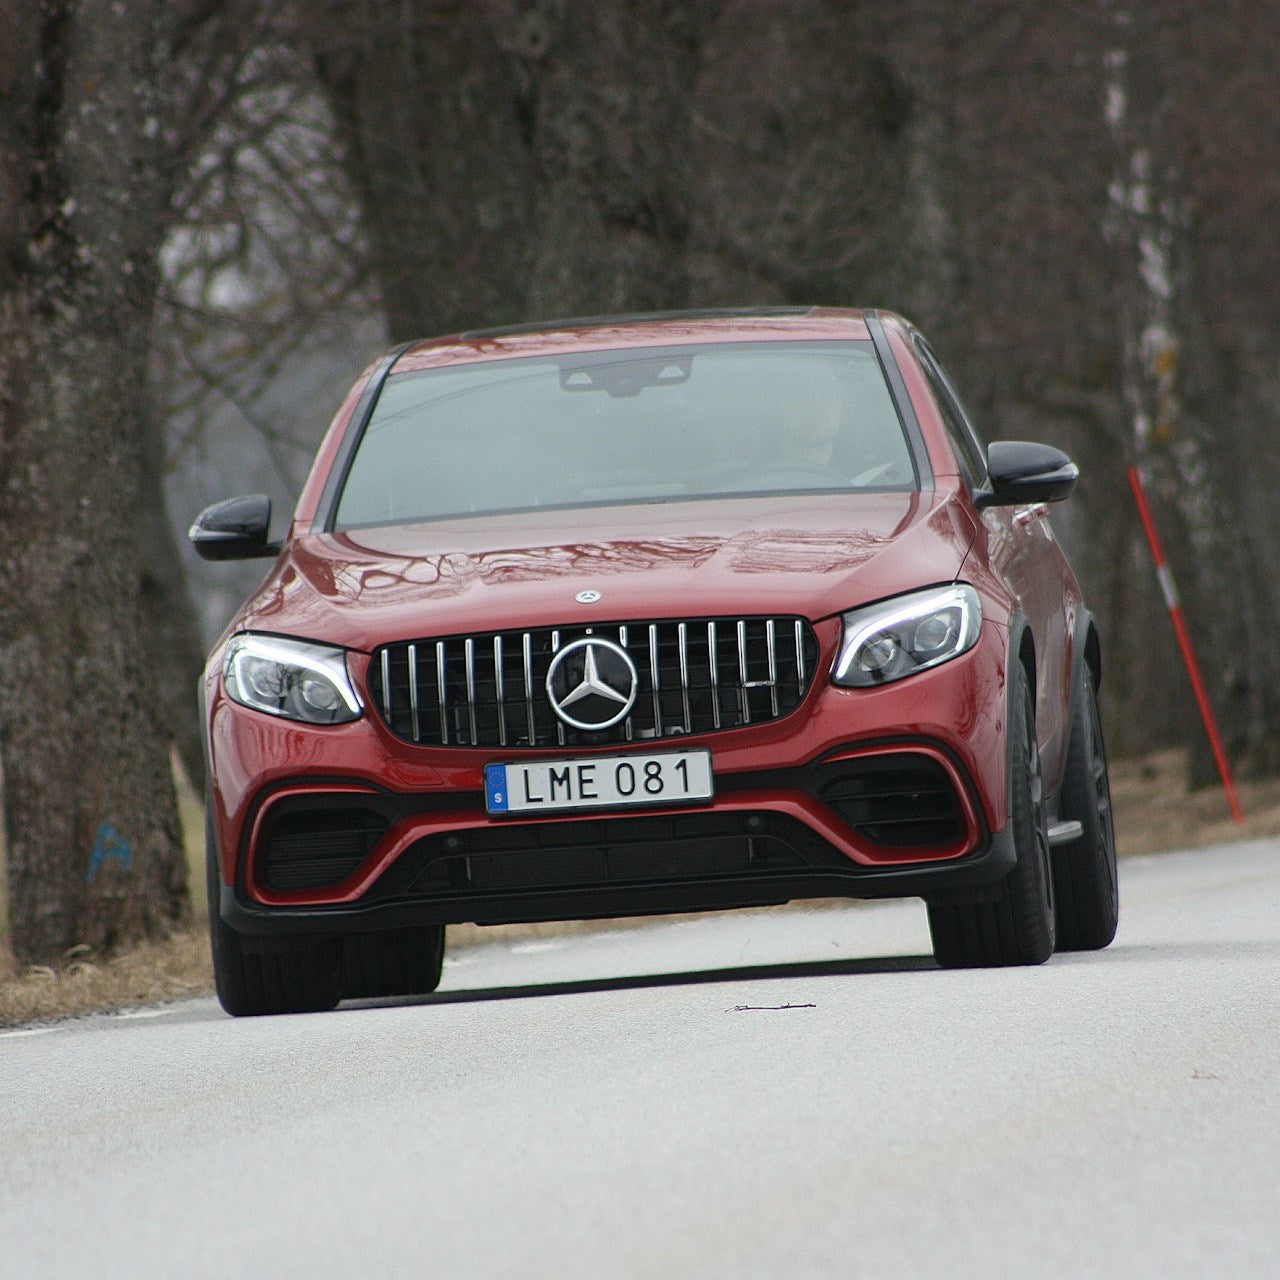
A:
{"points": [[655, 676], [441, 694], [696, 675], [469, 659], [771, 652], [413, 691], [500, 688], [386, 684], [628, 728], [682, 636], [713, 666], [555, 648], [527, 650]]}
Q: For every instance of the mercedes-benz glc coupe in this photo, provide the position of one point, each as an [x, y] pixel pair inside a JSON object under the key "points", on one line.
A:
{"points": [[647, 614]]}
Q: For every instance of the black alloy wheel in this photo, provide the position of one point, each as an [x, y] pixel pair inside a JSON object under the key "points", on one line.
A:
{"points": [[1016, 928]]}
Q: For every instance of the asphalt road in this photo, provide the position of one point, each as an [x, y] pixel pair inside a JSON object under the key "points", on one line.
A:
{"points": [[788, 1093]]}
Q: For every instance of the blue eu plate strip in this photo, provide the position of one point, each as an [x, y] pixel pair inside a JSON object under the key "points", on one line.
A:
{"points": [[495, 787]]}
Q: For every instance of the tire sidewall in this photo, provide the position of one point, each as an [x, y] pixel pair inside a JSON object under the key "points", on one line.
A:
{"points": [[1030, 885]]}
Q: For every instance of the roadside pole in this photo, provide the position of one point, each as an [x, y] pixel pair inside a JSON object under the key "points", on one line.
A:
{"points": [[1170, 590]]}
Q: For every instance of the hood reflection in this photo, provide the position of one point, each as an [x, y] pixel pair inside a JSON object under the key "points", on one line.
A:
{"points": [[815, 559], [371, 562]]}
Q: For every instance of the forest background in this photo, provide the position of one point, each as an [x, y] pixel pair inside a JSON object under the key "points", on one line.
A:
{"points": [[214, 212]]}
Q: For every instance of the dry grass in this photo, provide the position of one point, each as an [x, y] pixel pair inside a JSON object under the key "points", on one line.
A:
{"points": [[1154, 812], [154, 973]]}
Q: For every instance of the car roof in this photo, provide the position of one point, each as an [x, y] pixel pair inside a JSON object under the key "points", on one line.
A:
{"points": [[639, 329]]}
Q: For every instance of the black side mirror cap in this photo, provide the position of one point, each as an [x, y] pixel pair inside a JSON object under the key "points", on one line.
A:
{"points": [[1024, 472], [234, 530]]}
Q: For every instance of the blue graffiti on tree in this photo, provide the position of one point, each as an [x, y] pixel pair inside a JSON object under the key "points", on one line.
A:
{"points": [[110, 846]]}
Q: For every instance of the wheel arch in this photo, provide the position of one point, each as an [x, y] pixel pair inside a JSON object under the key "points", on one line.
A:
{"points": [[1091, 647], [1086, 655], [1022, 649], [1022, 656]]}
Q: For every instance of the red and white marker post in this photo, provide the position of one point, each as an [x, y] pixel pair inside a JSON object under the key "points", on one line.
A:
{"points": [[1167, 586]]}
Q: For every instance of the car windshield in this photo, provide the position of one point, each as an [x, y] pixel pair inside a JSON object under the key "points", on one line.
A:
{"points": [[637, 425]]}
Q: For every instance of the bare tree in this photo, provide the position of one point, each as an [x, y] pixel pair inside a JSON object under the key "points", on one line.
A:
{"points": [[103, 106], [515, 157]]}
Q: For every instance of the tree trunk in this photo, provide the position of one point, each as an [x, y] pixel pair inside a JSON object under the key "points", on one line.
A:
{"points": [[515, 159], [613, 99], [800, 151], [433, 125], [172, 647], [94, 854]]}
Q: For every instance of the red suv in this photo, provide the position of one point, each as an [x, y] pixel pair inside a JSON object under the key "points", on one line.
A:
{"points": [[647, 614]]}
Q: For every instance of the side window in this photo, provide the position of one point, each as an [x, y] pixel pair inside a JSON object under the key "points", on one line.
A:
{"points": [[969, 450]]}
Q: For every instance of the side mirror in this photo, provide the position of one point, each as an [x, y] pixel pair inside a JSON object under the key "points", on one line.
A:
{"points": [[234, 530], [1022, 472]]}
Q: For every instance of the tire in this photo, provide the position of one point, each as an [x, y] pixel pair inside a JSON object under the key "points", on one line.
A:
{"points": [[1017, 928], [393, 962], [1085, 888], [298, 978]]}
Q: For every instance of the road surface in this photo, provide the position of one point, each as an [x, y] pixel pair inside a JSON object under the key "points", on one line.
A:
{"points": [[795, 1093]]}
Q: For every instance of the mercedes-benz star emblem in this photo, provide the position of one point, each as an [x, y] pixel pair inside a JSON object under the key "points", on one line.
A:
{"points": [[588, 597], [592, 684]]}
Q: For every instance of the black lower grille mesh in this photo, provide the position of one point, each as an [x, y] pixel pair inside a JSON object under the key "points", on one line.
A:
{"points": [[898, 802], [313, 849], [656, 849]]}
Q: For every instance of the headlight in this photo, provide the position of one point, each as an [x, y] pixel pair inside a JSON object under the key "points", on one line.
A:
{"points": [[911, 633], [291, 678]]}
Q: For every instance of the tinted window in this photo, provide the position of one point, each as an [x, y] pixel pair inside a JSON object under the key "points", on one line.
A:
{"points": [[643, 424]]}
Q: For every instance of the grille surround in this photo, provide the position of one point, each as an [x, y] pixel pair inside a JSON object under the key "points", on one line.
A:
{"points": [[696, 675]]}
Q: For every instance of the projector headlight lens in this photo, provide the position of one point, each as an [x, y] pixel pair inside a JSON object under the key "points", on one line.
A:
{"points": [[291, 678], [898, 637]]}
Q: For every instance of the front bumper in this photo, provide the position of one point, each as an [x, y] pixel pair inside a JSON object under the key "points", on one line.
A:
{"points": [[899, 792]]}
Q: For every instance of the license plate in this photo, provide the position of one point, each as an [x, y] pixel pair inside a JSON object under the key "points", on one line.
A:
{"points": [[598, 782]]}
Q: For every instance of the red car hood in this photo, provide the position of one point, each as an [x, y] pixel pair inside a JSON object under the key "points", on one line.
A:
{"points": [[814, 556]]}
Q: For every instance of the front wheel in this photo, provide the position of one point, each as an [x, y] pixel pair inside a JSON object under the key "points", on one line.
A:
{"points": [[392, 962], [276, 980], [250, 979], [1017, 928]]}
